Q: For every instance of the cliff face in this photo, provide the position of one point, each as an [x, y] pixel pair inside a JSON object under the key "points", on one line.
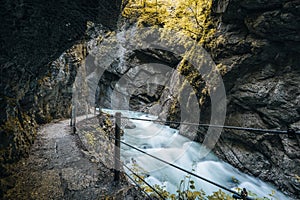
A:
{"points": [[257, 43], [256, 48], [33, 91]]}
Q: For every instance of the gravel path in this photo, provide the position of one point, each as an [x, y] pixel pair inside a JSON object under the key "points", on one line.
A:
{"points": [[58, 168]]}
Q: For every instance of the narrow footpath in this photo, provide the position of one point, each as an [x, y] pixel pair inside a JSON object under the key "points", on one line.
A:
{"points": [[59, 167]]}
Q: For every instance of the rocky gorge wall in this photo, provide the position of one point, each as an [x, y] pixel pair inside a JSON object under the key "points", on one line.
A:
{"points": [[33, 90], [256, 48], [257, 44]]}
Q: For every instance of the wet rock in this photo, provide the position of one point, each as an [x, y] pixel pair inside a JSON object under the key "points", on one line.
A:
{"points": [[130, 125], [276, 25]]}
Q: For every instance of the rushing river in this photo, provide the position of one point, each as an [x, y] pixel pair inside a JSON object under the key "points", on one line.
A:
{"points": [[167, 144]]}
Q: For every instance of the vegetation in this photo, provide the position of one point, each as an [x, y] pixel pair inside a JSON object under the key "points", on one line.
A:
{"points": [[191, 17], [17, 135], [90, 139], [187, 189]]}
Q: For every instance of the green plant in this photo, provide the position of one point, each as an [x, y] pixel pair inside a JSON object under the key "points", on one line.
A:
{"points": [[190, 17], [187, 189], [219, 195]]}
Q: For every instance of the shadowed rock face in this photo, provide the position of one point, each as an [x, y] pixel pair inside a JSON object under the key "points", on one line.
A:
{"points": [[258, 46], [138, 94], [32, 34]]}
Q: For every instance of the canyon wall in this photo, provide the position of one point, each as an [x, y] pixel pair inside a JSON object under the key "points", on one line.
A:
{"points": [[256, 48], [33, 90]]}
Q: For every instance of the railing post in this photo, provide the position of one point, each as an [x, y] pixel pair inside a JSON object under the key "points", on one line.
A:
{"points": [[117, 147], [74, 120]]}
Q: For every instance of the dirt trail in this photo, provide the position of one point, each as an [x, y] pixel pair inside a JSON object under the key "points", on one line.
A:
{"points": [[58, 168]]}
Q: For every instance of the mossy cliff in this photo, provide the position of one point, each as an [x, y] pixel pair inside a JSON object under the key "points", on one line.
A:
{"points": [[256, 48], [255, 45], [33, 90]]}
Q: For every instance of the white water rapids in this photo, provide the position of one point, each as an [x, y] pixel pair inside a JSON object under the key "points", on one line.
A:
{"points": [[166, 143]]}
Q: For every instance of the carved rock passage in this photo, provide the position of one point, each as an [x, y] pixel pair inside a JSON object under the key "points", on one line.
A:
{"points": [[60, 166], [32, 35], [138, 83]]}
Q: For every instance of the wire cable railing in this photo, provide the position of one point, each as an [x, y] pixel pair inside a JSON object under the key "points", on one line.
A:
{"points": [[138, 185], [180, 168], [289, 131], [235, 194], [139, 177]]}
